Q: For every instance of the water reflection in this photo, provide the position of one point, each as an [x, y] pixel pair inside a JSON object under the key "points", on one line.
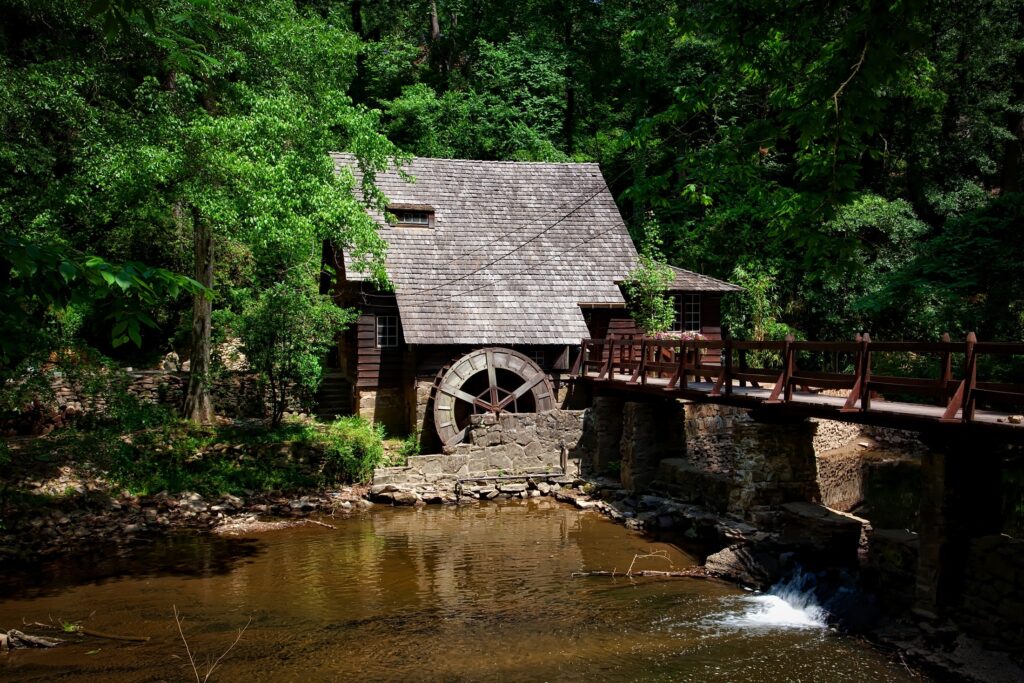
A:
{"points": [[469, 594]]}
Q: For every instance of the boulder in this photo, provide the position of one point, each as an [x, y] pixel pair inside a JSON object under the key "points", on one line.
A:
{"points": [[746, 565]]}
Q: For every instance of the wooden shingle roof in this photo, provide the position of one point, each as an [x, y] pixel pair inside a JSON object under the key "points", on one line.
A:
{"points": [[515, 249], [689, 281]]}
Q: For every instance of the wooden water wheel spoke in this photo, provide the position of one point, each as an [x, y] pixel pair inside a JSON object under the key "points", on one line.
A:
{"points": [[468, 398], [493, 380], [529, 384]]}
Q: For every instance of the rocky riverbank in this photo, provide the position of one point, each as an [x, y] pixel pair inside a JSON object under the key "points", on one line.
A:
{"points": [[87, 515]]}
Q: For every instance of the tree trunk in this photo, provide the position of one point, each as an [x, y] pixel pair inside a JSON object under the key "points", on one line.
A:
{"points": [[435, 24], [198, 405]]}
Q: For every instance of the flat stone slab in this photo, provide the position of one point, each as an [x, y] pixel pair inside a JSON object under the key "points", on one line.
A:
{"points": [[823, 515]]}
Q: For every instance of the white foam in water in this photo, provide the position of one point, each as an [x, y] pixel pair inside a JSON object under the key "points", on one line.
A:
{"points": [[786, 605], [771, 611]]}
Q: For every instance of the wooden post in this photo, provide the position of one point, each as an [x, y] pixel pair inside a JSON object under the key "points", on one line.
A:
{"points": [[858, 377], [865, 375], [783, 381], [727, 369], [970, 377], [743, 366], [790, 367], [641, 366], [683, 381], [945, 373], [609, 345]]}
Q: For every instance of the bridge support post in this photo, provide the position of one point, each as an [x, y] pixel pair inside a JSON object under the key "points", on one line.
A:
{"points": [[774, 464], [960, 501], [651, 431], [606, 412]]}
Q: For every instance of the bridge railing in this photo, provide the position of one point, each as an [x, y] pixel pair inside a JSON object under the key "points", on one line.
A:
{"points": [[679, 364]]}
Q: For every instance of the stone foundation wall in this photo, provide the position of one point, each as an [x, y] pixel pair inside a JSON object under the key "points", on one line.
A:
{"points": [[235, 394], [551, 443], [386, 406], [651, 432], [830, 434], [515, 443]]}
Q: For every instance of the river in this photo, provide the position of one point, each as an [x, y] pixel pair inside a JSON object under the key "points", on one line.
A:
{"points": [[480, 593]]}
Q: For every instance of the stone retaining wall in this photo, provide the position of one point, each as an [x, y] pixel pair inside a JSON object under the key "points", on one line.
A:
{"points": [[235, 394], [553, 442]]}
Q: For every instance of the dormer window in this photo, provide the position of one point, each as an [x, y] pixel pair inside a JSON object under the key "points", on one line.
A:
{"points": [[412, 216]]}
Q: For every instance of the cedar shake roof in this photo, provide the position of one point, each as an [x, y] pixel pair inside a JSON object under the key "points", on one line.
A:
{"points": [[515, 249], [689, 281]]}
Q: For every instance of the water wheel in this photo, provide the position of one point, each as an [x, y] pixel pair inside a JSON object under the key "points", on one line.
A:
{"points": [[491, 380]]}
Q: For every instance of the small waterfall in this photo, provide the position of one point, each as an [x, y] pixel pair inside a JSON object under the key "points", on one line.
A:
{"points": [[788, 604]]}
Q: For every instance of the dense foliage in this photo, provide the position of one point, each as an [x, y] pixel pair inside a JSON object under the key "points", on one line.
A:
{"points": [[856, 165]]}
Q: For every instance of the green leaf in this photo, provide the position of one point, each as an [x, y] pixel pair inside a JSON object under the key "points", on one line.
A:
{"points": [[68, 270]]}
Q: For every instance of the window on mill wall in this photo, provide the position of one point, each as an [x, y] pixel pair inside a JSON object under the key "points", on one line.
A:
{"points": [[387, 331], [687, 313]]}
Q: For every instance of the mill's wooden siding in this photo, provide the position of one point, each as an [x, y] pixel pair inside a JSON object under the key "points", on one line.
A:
{"points": [[376, 367]]}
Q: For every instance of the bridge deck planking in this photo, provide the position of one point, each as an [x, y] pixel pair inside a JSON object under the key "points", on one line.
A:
{"points": [[813, 404]]}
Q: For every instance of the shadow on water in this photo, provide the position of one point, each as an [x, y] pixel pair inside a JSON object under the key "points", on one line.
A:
{"points": [[181, 555]]}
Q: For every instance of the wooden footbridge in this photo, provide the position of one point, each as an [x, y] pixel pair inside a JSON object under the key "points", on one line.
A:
{"points": [[832, 380]]}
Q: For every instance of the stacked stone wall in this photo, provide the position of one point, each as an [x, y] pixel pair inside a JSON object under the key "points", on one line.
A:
{"points": [[736, 464], [514, 443], [553, 443], [235, 394]]}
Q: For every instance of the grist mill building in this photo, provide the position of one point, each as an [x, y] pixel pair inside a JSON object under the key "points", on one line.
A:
{"points": [[499, 270]]}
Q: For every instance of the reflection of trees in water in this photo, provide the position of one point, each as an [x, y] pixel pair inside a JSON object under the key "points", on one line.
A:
{"points": [[185, 555]]}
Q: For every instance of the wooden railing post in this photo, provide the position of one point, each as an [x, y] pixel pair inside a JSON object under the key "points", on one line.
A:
{"points": [[641, 366], [609, 367], [727, 365], [783, 381], [865, 375], [858, 377], [743, 366], [945, 373], [970, 377], [790, 366]]}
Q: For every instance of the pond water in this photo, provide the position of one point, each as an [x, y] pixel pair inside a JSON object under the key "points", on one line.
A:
{"points": [[478, 593]]}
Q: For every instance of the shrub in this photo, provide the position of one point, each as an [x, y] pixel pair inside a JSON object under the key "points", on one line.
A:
{"points": [[353, 448], [286, 331], [410, 445]]}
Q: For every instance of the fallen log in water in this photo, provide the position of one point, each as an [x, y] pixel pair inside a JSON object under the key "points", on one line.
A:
{"points": [[16, 639], [688, 573]]}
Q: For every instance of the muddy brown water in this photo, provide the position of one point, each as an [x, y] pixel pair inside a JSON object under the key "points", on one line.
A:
{"points": [[478, 593]]}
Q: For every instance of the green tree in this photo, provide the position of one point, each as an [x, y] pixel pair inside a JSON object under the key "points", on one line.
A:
{"points": [[286, 331], [201, 128]]}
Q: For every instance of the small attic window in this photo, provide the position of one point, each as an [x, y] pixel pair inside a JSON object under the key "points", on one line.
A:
{"points": [[413, 216]]}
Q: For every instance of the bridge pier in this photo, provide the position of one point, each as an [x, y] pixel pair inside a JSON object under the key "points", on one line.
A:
{"points": [[960, 501], [651, 431], [723, 459], [606, 412]]}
